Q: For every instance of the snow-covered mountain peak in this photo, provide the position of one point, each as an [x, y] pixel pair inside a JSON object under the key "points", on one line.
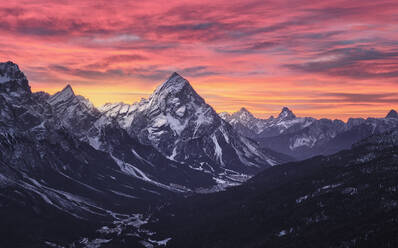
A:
{"points": [[175, 97], [62, 96], [225, 116], [392, 114], [244, 115], [12, 80], [244, 110], [182, 126], [286, 114], [74, 111], [10, 71], [174, 84], [68, 90], [177, 105]]}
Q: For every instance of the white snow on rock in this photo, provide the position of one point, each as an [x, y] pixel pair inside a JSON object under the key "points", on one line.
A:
{"points": [[181, 111], [176, 124], [160, 242], [282, 233], [134, 171], [4, 79], [62, 96], [308, 141], [96, 243], [217, 149], [302, 198]]}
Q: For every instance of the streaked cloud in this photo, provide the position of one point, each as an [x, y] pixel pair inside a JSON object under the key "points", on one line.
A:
{"points": [[324, 58]]}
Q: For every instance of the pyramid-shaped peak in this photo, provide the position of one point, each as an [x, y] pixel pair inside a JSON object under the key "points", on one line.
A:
{"points": [[244, 110], [392, 114], [286, 113], [68, 90], [175, 74], [175, 80], [173, 85], [244, 115], [62, 96]]}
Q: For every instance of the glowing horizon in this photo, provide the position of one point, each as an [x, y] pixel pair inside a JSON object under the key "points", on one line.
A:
{"points": [[334, 59], [138, 96]]}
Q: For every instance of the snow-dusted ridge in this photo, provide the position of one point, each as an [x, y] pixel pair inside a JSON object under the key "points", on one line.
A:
{"points": [[304, 137], [246, 123]]}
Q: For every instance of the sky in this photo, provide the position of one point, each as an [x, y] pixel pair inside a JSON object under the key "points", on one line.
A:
{"points": [[333, 59]]}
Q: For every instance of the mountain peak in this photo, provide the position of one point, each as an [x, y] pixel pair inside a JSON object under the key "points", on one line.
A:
{"points": [[244, 110], [175, 82], [286, 113], [9, 65], [173, 86], [62, 96], [12, 78], [392, 114], [10, 71], [175, 74], [68, 90], [243, 113]]}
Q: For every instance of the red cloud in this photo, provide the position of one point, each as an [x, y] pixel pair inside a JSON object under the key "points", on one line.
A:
{"points": [[225, 48]]}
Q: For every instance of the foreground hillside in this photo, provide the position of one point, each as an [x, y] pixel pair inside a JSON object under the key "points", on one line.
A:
{"points": [[348, 199]]}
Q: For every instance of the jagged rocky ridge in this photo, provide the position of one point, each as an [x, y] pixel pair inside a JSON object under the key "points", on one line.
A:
{"points": [[304, 137]]}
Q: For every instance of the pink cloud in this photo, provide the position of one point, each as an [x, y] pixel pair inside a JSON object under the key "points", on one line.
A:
{"points": [[326, 46]]}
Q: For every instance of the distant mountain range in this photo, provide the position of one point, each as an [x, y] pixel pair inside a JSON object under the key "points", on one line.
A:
{"points": [[305, 137]]}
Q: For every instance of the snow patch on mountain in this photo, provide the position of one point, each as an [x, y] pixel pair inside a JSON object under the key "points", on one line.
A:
{"points": [[4, 79], [217, 149]]}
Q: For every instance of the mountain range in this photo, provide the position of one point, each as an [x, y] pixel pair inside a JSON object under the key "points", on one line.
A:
{"points": [[121, 174], [62, 156], [305, 137]]}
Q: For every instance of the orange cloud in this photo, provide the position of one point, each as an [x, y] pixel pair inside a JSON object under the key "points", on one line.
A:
{"points": [[330, 59]]}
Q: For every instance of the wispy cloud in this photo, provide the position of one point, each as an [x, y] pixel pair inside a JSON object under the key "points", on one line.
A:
{"points": [[225, 48], [356, 63]]}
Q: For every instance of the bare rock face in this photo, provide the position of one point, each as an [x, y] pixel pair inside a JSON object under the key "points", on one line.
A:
{"points": [[392, 114]]}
